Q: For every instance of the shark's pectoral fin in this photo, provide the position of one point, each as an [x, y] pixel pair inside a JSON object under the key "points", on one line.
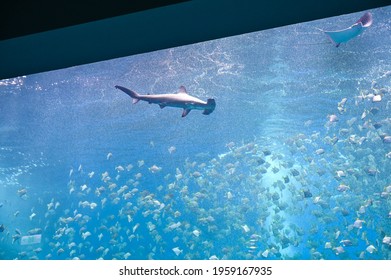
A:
{"points": [[162, 105], [134, 100], [185, 112]]}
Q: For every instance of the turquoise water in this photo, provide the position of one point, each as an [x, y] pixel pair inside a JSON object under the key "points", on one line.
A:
{"points": [[267, 175]]}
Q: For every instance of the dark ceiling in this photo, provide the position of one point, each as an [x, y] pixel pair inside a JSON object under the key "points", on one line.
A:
{"points": [[24, 17], [39, 35]]}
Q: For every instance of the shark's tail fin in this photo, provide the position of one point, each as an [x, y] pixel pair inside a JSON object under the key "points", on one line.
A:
{"points": [[129, 92], [211, 105]]}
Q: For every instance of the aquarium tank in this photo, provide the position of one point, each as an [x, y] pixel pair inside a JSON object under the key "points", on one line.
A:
{"points": [[269, 145]]}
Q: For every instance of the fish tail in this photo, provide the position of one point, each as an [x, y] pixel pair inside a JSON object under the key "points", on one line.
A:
{"points": [[135, 96]]}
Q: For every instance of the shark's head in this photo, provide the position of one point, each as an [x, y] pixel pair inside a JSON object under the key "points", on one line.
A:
{"points": [[210, 106]]}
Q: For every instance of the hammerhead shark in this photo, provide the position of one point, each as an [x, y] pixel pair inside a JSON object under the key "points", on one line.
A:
{"points": [[181, 100]]}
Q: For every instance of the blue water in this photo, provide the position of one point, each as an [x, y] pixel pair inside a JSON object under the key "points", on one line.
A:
{"points": [[230, 185]]}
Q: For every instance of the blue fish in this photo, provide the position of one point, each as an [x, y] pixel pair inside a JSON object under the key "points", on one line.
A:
{"points": [[344, 35]]}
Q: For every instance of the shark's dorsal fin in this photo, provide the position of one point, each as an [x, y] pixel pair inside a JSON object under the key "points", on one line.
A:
{"points": [[182, 90]]}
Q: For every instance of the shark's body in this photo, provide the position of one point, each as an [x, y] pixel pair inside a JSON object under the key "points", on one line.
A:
{"points": [[181, 100]]}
